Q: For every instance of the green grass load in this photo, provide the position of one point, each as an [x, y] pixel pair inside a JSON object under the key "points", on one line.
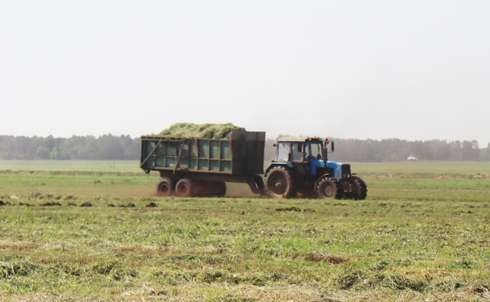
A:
{"points": [[211, 131]]}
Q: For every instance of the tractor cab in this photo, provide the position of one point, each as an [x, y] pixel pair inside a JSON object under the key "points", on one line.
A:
{"points": [[306, 155]]}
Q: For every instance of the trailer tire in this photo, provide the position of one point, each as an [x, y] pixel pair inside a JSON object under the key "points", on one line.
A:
{"points": [[279, 183], [220, 188], [184, 188], [165, 187], [329, 189]]}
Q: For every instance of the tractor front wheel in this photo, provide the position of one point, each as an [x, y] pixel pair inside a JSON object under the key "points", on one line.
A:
{"points": [[279, 183], [329, 189], [358, 189]]}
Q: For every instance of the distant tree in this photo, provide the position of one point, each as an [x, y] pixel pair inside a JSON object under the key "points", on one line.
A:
{"points": [[485, 153], [132, 148], [56, 154], [439, 150], [109, 147], [42, 152], [470, 151]]}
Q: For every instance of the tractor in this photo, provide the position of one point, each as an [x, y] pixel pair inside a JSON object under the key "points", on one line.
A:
{"points": [[301, 169]]}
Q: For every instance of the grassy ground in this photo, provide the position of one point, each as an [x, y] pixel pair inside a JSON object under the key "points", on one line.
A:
{"points": [[421, 235]]}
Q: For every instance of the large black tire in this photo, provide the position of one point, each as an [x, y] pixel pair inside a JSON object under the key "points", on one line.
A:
{"points": [[329, 189], [165, 187], [358, 189], [220, 188], [184, 188], [279, 183]]}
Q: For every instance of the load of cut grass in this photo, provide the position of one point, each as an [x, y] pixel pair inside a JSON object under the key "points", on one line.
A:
{"points": [[211, 131]]}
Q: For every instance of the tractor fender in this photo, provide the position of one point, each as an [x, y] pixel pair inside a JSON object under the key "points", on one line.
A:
{"points": [[322, 177], [273, 165]]}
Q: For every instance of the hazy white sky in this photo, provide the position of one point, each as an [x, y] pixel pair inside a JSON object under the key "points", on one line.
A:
{"points": [[415, 70]]}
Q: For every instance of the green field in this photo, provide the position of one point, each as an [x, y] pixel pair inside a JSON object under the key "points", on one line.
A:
{"points": [[94, 231]]}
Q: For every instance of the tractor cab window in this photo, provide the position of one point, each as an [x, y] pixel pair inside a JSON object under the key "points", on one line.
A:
{"points": [[297, 152], [282, 153], [315, 151]]}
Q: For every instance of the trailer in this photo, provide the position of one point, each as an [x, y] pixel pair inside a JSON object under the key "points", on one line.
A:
{"points": [[202, 167]]}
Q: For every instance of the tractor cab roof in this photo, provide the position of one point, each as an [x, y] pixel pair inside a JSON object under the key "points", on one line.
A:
{"points": [[299, 139]]}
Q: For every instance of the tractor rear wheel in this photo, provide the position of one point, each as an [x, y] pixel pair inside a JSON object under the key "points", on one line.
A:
{"points": [[358, 189], [329, 189], [184, 188], [279, 183], [165, 187]]}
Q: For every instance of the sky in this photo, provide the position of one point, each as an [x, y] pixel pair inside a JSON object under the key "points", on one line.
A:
{"points": [[413, 70]]}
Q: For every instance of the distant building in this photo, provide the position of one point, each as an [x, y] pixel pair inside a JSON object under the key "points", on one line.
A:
{"points": [[412, 158]]}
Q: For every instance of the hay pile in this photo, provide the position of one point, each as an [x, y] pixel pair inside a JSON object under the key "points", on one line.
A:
{"points": [[212, 131]]}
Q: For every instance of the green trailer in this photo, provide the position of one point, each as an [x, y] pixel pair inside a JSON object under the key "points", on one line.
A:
{"points": [[201, 167]]}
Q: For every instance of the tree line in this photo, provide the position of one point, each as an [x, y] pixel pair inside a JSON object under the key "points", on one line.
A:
{"points": [[104, 147], [395, 150], [107, 147]]}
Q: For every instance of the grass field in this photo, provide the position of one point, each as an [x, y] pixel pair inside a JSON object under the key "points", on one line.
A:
{"points": [[93, 231]]}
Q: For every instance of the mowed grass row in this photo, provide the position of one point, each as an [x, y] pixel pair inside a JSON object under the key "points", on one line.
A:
{"points": [[98, 236]]}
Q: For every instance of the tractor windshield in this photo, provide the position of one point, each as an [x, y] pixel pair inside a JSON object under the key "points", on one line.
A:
{"points": [[315, 150]]}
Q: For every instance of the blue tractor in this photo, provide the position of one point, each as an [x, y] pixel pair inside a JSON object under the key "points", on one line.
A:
{"points": [[301, 169]]}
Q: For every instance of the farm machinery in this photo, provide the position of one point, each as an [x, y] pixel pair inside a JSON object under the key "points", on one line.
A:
{"points": [[301, 168], [202, 166]]}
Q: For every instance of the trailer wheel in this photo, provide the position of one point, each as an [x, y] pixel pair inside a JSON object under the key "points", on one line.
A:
{"points": [[329, 189], [220, 189], [165, 187], [279, 183], [184, 188], [358, 189]]}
